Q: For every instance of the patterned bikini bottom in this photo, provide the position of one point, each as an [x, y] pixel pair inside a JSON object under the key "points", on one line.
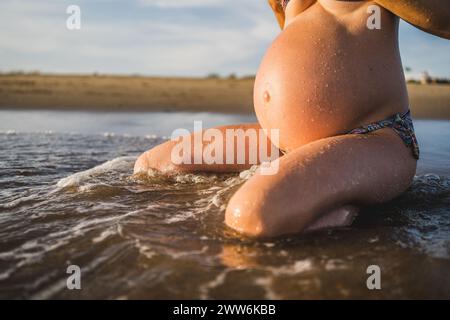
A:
{"points": [[402, 124]]}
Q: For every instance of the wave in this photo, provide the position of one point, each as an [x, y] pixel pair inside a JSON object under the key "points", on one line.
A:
{"points": [[115, 165]]}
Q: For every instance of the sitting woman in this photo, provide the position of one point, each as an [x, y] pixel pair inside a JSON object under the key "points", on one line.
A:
{"points": [[332, 84]]}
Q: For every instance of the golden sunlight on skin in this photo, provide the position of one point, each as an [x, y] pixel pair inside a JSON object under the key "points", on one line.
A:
{"points": [[318, 185], [294, 8], [327, 73], [324, 75]]}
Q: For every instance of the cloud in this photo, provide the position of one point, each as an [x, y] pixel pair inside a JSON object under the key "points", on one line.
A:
{"points": [[160, 37], [134, 42]]}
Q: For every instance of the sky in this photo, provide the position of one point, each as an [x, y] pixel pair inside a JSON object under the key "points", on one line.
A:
{"points": [[163, 38]]}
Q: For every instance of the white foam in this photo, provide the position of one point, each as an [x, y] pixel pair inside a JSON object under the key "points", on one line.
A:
{"points": [[247, 174], [335, 264], [183, 216], [109, 134], [17, 202], [193, 178], [77, 179], [104, 235], [144, 250], [300, 266], [214, 283], [267, 283], [101, 206]]}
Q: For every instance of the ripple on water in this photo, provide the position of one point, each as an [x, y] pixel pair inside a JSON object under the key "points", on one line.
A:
{"points": [[137, 236]]}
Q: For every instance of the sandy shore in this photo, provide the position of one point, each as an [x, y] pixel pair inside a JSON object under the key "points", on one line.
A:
{"points": [[134, 93]]}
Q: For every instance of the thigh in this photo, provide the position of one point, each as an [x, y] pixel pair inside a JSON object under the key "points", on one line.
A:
{"points": [[319, 177], [160, 157]]}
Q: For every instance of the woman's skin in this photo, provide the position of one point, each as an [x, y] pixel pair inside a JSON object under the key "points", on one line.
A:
{"points": [[159, 157], [324, 75], [432, 16], [327, 73]]}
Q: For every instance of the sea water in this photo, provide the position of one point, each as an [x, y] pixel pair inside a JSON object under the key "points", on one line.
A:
{"points": [[68, 197]]}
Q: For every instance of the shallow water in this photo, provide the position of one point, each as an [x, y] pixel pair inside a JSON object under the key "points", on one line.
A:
{"points": [[67, 197]]}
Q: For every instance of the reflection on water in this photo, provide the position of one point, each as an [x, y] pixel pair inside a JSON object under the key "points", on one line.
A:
{"points": [[68, 198]]}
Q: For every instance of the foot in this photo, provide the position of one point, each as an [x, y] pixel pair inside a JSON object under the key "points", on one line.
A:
{"points": [[341, 217]]}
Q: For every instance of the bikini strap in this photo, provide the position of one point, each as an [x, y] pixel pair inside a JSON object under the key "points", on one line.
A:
{"points": [[284, 4]]}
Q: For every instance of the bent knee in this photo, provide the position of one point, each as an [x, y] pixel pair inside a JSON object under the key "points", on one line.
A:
{"points": [[141, 163], [157, 158], [252, 214], [245, 218]]}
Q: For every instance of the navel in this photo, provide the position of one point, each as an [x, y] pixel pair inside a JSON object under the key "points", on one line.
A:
{"points": [[266, 96]]}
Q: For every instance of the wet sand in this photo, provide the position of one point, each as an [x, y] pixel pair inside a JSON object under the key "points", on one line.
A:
{"points": [[136, 93]]}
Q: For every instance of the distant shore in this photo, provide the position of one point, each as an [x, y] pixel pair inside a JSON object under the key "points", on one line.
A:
{"points": [[136, 93]]}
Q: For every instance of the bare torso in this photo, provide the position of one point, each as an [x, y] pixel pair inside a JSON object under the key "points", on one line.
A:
{"points": [[327, 73]]}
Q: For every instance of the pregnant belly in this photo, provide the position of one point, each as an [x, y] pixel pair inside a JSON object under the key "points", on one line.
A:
{"points": [[317, 81]]}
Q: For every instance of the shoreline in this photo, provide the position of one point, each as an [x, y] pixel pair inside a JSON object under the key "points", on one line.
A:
{"points": [[107, 93]]}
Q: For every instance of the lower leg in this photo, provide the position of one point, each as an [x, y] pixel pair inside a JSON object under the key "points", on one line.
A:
{"points": [[319, 177], [160, 157]]}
